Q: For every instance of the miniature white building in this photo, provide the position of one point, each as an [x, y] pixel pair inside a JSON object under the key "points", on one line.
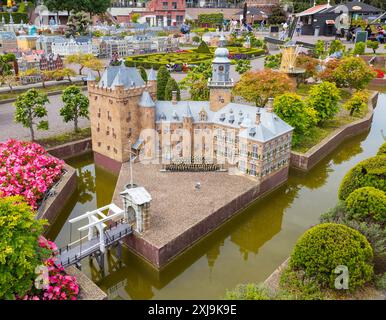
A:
{"points": [[73, 46]]}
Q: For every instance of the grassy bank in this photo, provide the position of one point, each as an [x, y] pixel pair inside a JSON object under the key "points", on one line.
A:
{"points": [[65, 138]]}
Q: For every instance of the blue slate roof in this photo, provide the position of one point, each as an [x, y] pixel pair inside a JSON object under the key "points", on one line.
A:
{"points": [[121, 75]]}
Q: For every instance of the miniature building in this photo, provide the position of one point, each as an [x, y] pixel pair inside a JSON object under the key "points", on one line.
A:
{"points": [[122, 106], [8, 41], [26, 43], [73, 46]]}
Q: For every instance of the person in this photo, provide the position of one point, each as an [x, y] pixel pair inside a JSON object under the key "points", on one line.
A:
{"points": [[262, 25], [380, 34], [298, 28], [369, 31]]}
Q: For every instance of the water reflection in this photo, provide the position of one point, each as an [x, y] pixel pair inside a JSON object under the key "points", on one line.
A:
{"points": [[247, 248]]}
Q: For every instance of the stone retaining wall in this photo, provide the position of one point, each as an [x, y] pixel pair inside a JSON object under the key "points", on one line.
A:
{"points": [[63, 191], [71, 149], [306, 161], [160, 257], [88, 290]]}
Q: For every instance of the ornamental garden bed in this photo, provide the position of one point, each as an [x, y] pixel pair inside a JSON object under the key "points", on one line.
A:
{"points": [[189, 57]]}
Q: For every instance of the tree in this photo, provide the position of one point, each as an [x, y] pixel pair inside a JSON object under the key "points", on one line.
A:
{"points": [[336, 46], [307, 63], [327, 74], [163, 76], [291, 108], [324, 98], [77, 24], [94, 7], [75, 105], [243, 66], [320, 49], [170, 87], [47, 75], [277, 15], [357, 103], [196, 81], [272, 61], [9, 79], [135, 16], [95, 65], [258, 86], [64, 73], [30, 106], [143, 73], [373, 45], [19, 247], [359, 48], [353, 72], [80, 58]]}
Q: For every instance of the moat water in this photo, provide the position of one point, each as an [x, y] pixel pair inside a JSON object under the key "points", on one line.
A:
{"points": [[246, 249]]}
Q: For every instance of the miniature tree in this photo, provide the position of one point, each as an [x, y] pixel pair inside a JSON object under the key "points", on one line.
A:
{"points": [[75, 105], [80, 59], [324, 98], [95, 65], [320, 49], [170, 87], [373, 45], [163, 76], [357, 103], [77, 24], [30, 106], [359, 48], [272, 61], [196, 81], [243, 66], [291, 108], [258, 86], [9, 79], [353, 72], [19, 247], [143, 73], [134, 17], [307, 63], [336, 46], [64, 73]]}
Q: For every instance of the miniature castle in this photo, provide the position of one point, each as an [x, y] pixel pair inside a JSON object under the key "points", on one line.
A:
{"points": [[122, 107]]}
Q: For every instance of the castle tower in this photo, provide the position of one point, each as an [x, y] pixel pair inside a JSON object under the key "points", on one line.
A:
{"points": [[187, 125], [220, 84], [115, 114]]}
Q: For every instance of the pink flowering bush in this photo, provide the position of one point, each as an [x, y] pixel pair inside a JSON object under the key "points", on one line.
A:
{"points": [[60, 285], [27, 169]]}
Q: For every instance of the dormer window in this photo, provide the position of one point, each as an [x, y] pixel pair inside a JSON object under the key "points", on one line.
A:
{"points": [[231, 119], [203, 115], [252, 132], [175, 116], [162, 117], [222, 117]]}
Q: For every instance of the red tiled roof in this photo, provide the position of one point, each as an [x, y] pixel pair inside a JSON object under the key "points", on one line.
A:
{"points": [[313, 10]]}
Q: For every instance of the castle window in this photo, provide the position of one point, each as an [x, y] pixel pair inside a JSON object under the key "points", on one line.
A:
{"points": [[108, 131], [129, 133], [203, 116], [114, 135], [128, 117], [242, 166], [110, 101], [254, 151], [252, 171], [99, 144], [108, 115], [98, 127], [115, 150], [99, 113], [108, 147], [96, 98]]}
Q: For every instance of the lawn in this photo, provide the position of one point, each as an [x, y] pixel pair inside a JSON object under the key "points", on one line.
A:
{"points": [[58, 87], [64, 138], [190, 57], [318, 133]]}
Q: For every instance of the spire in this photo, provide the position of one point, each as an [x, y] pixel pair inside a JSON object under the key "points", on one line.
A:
{"points": [[188, 112], [146, 101]]}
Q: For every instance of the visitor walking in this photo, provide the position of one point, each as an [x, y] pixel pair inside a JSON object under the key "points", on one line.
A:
{"points": [[299, 26]]}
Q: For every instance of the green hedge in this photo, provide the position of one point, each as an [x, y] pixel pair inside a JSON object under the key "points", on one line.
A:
{"points": [[192, 57], [366, 202], [324, 247], [210, 18], [368, 173], [382, 150], [17, 17]]}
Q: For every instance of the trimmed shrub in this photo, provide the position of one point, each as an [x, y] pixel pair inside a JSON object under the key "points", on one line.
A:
{"points": [[143, 73], [203, 48], [248, 291], [170, 87], [368, 173], [359, 48], [382, 150], [366, 202], [324, 247], [163, 76]]}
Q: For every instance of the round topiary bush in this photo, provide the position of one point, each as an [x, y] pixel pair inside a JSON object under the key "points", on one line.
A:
{"points": [[368, 173], [326, 246], [382, 150], [366, 202]]}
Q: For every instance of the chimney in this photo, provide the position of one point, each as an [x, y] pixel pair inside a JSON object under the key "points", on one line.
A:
{"points": [[269, 105], [258, 118], [174, 97]]}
